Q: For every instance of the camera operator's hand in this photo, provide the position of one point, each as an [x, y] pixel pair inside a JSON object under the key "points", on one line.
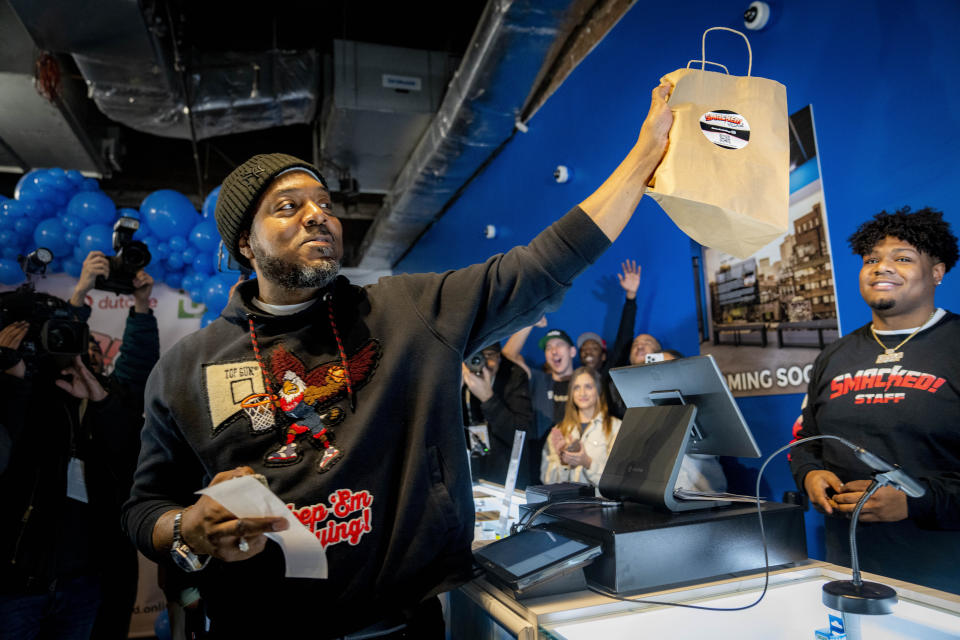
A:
{"points": [[82, 383], [95, 265], [142, 287], [10, 337], [480, 385]]}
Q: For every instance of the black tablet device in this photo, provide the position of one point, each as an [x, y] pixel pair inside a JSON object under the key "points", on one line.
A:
{"points": [[534, 556]]}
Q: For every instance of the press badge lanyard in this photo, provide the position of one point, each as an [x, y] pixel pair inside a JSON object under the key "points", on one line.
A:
{"points": [[76, 482]]}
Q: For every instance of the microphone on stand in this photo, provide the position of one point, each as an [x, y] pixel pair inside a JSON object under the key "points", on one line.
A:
{"points": [[892, 473], [855, 597]]}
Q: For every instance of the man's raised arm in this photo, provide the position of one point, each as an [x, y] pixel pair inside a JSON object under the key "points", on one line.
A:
{"points": [[611, 205]]}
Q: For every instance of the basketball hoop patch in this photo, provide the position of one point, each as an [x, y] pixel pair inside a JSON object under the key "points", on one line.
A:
{"points": [[236, 394]]}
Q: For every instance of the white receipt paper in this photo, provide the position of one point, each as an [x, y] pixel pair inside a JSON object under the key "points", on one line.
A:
{"points": [[246, 497]]}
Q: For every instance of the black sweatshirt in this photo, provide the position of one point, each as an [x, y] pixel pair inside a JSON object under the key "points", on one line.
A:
{"points": [[396, 512], [908, 413]]}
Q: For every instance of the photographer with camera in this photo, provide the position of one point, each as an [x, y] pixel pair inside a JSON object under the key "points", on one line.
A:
{"points": [[496, 394], [72, 439]]}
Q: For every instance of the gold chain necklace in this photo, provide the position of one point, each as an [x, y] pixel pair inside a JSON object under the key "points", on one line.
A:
{"points": [[890, 355]]}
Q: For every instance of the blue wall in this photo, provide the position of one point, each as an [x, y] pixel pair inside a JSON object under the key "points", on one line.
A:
{"points": [[878, 75]]}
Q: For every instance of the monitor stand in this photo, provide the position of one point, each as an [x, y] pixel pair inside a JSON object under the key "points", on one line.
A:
{"points": [[644, 464]]}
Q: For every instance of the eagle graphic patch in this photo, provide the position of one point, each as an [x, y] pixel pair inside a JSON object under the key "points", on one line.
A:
{"points": [[301, 398], [304, 397]]}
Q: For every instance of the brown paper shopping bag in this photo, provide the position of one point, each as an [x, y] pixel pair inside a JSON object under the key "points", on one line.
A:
{"points": [[725, 177]]}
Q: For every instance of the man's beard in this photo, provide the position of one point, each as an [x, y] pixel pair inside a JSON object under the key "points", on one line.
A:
{"points": [[290, 275], [883, 304]]}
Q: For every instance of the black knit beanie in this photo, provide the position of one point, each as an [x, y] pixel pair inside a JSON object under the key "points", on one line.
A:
{"points": [[241, 191]]}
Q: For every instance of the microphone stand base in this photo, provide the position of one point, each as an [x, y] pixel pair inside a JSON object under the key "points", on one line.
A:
{"points": [[867, 598]]}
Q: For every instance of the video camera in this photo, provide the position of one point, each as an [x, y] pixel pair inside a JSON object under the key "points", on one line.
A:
{"points": [[131, 256], [54, 333]]}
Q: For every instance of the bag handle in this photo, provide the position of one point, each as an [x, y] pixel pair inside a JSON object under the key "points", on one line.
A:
{"points": [[725, 70], [703, 48]]}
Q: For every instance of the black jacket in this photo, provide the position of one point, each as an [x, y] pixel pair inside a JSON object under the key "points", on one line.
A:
{"points": [[506, 412], [396, 511], [905, 412], [43, 534]]}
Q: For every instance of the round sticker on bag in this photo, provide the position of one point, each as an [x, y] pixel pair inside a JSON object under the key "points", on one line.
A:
{"points": [[726, 129]]}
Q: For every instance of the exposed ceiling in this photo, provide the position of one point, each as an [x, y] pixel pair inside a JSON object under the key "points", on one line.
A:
{"points": [[264, 77]]}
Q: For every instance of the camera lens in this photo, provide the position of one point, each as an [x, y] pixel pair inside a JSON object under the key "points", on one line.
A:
{"points": [[60, 337], [475, 363], [135, 256]]}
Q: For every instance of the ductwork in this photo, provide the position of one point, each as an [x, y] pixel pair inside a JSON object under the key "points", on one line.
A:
{"points": [[126, 59], [478, 114]]}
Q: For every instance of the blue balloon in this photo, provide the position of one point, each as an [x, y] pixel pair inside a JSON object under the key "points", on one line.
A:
{"points": [[208, 317], [174, 280], [10, 210], [55, 266], [72, 267], [177, 244], [161, 626], [210, 203], [9, 237], [188, 255], [59, 198], [58, 179], [49, 234], [96, 237], [71, 237], [162, 251], [94, 207], [73, 223], [216, 292], [10, 253], [130, 213], [169, 213], [195, 295], [79, 254], [89, 184], [174, 262], [201, 265], [28, 178], [24, 226], [36, 209], [205, 236], [10, 272], [37, 193], [75, 177]]}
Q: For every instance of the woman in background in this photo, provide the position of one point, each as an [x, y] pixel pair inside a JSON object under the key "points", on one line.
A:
{"points": [[577, 448]]}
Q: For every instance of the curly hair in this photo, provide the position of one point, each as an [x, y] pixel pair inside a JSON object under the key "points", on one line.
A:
{"points": [[924, 229]]}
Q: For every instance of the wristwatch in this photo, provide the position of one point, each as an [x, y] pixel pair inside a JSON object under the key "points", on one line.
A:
{"points": [[182, 554]]}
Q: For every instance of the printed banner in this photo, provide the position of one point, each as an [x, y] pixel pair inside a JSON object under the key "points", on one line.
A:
{"points": [[770, 315]]}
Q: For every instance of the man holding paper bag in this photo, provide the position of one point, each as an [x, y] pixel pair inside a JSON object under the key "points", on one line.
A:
{"points": [[346, 400], [725, 179]]}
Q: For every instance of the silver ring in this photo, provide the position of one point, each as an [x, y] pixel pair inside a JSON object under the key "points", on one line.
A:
{"points": [[243, 545]]}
